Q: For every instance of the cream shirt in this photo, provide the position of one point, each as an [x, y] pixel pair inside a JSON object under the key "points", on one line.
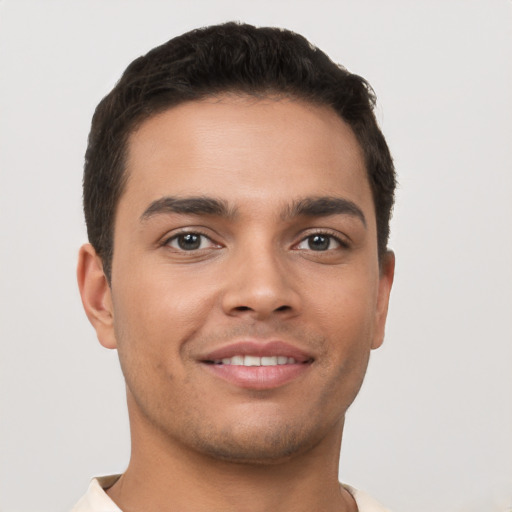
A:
{"points": [[97, 500]]}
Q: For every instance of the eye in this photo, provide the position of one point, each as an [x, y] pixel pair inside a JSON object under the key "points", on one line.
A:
{"points": [[190, 242], [319, 242]]}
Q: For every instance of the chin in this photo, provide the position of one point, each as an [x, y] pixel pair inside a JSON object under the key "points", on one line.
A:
{"points": [[253, 446]]}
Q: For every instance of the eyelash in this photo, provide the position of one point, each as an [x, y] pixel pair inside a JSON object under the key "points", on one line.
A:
{"points": [[342, 243], [177, 236]]}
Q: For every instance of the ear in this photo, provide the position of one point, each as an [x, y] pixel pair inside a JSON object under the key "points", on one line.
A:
{"points": [[96, 295], [387, 273]]}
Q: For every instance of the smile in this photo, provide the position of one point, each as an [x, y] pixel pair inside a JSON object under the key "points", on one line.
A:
{"points": [[241, 360], [257, 366]]}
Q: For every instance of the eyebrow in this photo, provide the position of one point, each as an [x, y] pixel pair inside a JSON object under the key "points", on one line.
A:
{"points": [[202, 205], [323, 207], [199, 205]]}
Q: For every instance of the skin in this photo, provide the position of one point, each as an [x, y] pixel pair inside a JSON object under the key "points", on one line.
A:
{"points": [[198, 441]]}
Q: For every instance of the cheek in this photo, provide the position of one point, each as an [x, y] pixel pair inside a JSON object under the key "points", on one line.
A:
{"points": [[155, 314], [347, 307], [345, 315]]}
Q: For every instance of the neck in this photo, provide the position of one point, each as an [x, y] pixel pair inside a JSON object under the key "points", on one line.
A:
{"points": [[167, 476]]}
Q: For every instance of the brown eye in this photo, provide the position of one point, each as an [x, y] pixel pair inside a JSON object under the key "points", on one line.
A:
{"points": [[319, 242], [190, 242]]}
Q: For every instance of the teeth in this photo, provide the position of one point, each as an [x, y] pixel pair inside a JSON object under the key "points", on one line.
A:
{"points": [[252, 361], [256, 361], [238, 360]]}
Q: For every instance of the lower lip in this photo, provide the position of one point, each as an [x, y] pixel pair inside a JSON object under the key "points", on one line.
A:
{"points": [[258, 377]]}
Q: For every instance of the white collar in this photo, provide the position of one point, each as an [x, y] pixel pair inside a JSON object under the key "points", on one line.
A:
{"points": [[97, 500]]}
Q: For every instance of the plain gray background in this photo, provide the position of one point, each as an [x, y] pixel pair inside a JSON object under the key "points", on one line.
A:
{"points": [[432, 428]]}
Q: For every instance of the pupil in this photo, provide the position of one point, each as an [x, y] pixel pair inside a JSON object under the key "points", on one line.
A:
{"points": [[318, 243], [189, 241]]}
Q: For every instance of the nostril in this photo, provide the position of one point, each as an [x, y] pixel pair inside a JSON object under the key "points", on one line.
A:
{"points": [[243, 308]]}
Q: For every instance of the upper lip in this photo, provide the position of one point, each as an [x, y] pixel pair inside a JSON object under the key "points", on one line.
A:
{"points": [[257, 348]]}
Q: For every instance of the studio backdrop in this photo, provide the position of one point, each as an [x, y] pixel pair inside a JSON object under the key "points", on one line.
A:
{"points": [[431, 430]]}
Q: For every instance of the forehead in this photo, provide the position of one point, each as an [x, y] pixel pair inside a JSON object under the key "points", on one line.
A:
{"points": [[243, 148]]}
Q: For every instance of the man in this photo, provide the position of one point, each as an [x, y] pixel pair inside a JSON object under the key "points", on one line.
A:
{"points": [[237, 194]]}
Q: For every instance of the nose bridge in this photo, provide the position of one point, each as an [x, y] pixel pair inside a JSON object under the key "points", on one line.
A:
{"points": [[260, 282]]}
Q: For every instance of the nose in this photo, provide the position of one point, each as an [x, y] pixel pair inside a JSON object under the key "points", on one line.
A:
{"points": [[260, 286]]}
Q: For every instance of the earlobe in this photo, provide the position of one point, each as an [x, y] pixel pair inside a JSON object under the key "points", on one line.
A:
{"points": [[387, 274], [96, 295]]}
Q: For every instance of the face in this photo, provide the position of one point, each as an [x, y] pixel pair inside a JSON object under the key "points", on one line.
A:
{"points": [[246, 292]]}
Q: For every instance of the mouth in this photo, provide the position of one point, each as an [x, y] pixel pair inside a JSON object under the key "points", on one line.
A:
{"points": [[253, 365], [241, 360]]}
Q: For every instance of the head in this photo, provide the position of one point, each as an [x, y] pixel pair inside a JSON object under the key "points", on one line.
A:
{"points": [[237, 193], [209, 62]]}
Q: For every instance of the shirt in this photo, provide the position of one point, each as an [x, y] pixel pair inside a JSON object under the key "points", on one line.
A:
{"points": [[97, 500]]}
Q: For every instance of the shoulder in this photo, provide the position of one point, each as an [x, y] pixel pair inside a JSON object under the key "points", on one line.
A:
{"points": [[96, 499], [364, 502]]}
